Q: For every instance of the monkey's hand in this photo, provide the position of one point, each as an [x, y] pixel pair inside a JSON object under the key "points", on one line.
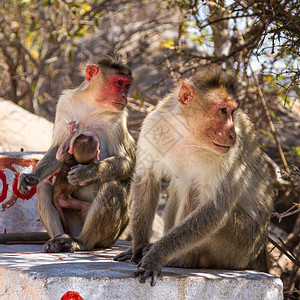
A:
{"points": [[134, 256], [26, 180], [148, 267], [79, 175], [72, 127], [126, 255]]}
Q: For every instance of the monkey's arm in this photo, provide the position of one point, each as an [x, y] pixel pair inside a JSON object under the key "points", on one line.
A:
{"points": [[47, 166], [62, 152], [116, 167], [182, 238], [146, 188]]}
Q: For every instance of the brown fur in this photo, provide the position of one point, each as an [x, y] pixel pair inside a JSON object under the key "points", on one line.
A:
{"points": [[84, 150]]}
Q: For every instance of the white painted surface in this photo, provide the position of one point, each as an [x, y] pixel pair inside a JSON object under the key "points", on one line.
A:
{"points": [[26, 273], [18, 212]]}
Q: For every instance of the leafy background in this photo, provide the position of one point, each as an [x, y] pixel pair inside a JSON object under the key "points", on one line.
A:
{"points": [[44, 46]]}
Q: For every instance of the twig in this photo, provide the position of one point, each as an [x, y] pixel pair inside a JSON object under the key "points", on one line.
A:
{"points": [[294, 260], [287, 213], [271, 125], [266, 111]]}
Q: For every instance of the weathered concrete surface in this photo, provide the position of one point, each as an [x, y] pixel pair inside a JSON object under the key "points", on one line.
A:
{"points": [[26, 273]]}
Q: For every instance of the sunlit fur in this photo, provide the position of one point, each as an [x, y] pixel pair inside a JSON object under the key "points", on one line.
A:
{"points": [[107, 180], [111, 127], [219, 204]]}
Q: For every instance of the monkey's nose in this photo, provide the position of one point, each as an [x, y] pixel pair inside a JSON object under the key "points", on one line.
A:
{"points": [[232, 135]]}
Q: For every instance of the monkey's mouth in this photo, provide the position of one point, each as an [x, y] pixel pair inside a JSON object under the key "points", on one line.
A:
{"points": [[121, 105], [222, 146]]}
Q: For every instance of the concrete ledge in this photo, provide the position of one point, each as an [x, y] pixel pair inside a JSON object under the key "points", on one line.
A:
{"points": [[27, 273]]}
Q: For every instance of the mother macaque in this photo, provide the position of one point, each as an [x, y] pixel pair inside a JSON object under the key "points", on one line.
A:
{"points": [[221, 189], [99, 106]]}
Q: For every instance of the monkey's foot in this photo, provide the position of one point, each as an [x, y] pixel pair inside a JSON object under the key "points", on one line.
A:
{"points": [[61, 243], [134, 256]]}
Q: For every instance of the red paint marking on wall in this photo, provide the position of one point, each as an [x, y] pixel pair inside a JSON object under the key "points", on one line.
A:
{"points": [[70, 295], [10, 184], [3, 194], [13, 199], [53, 177], [7, 162]]}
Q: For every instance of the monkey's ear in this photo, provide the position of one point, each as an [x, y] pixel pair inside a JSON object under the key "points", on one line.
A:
{"points": [[90, 72], [186, 93], [98, 154], [71, 149]]}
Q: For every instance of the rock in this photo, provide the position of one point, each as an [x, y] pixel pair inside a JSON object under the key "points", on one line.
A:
{"points": [[20, 129]]}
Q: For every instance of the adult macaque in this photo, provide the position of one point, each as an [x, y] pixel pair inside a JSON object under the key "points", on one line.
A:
{"points": [[84, 150], [99, 106], [221, 188]]}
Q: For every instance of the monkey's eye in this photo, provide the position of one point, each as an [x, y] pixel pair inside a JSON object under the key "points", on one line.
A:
{"points": [[224, 110], [120, 82], [128, 86]]}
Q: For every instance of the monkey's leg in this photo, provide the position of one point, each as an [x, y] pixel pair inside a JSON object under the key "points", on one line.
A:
{"points": [[50, 218], [170, 210], [48, 214], [62, 215], [75, 204], [106, 218], [261, 262]]}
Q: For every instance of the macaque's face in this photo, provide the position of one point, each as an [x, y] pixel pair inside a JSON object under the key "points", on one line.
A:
{"points": [[211, 119], [218, 128], [115, 91], [112, 87]]}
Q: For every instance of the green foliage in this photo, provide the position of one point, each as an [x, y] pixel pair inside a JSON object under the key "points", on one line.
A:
{"points": [[136, 95], [297, 150], [34, 32], [273, 115], [269, 134], [169, 44]]}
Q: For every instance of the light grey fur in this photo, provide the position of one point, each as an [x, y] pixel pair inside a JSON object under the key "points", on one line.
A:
{"points": [[219, 204]]}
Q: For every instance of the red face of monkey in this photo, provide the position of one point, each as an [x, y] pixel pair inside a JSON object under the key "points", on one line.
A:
{"points": [[112, 87], [212, 118], [116, 91]]}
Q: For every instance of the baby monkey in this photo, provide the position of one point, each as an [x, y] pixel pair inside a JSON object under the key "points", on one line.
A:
{"points": [[84, 150]]}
